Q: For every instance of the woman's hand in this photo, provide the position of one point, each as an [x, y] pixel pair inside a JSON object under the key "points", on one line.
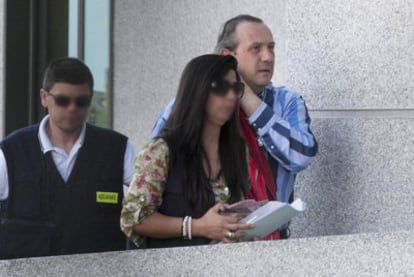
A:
{"points": [[213, 225]]}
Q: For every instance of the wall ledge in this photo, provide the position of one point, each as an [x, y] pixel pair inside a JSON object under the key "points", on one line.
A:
{"points": [[370, 254]]}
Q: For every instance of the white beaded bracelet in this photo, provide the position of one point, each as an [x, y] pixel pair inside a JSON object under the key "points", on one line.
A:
{"points": [[189, 229], [184, 227]]}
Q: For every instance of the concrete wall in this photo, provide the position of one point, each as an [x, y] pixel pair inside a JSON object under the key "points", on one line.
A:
{"points": [[353, 64], [353, 61], [379, 254]]}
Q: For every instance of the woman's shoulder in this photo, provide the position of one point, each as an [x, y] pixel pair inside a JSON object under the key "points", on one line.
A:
{"points": [[157, 144], [155, 148]]}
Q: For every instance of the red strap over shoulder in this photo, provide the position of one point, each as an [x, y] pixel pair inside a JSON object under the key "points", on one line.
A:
{"points": [[263, 186]]}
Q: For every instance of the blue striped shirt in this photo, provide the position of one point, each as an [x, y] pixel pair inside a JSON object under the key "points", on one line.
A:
{"points": [[282, 127]]}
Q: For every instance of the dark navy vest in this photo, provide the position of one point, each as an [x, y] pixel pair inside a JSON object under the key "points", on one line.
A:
{"points": [[45, 216]]}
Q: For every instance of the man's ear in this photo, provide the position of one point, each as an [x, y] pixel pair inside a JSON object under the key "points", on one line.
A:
{"points": [[225, 51], [43, 97]]}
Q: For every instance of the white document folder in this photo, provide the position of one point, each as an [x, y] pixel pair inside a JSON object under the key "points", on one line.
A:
{"points": [[271, 216]]}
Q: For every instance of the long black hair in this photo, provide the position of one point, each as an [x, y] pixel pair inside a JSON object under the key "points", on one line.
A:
{"points": [[183, 131]]}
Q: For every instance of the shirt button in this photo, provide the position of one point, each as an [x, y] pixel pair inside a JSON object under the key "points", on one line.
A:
{"points": [[272, 147], [259, 129], [254, 124]]}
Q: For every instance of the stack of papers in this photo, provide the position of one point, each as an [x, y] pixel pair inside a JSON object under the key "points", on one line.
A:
{"points": [[267, 216]]}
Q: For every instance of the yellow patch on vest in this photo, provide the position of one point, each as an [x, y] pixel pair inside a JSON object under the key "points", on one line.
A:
{"points": [[107, 197]]}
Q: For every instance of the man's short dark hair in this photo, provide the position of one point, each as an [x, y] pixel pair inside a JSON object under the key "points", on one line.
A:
{"points": [[226, 37], [67, 70]]}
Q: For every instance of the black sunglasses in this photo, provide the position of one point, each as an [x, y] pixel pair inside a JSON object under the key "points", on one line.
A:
{"points": [[222, 87], [64, 101]]}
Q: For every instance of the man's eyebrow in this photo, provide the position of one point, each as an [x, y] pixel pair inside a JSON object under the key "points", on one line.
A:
{"points": [[256, 43], [259, 43]]}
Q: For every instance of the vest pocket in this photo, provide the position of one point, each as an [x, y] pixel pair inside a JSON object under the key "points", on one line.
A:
{"points": [[107, 235], [25, 199], [22, 238]]}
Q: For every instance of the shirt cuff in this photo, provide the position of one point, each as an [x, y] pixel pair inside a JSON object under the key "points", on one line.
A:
{"points": [[261, 117]]}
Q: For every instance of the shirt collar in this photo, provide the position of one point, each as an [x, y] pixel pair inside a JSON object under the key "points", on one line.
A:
{"points": [[263, 93], [45, 143]]}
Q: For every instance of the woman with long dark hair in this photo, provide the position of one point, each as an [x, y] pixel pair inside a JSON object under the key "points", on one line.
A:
{"points": [[198, 163]]}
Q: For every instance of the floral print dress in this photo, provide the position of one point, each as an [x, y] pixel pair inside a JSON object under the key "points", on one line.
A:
{"points": [[148, 184]]}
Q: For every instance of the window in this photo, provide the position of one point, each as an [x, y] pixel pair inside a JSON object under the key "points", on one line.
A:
{"points": [[39, 31], [90, 40]]}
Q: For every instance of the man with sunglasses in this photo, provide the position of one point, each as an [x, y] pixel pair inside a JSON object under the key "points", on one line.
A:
{"points": [[275, 120], [61, 181]]}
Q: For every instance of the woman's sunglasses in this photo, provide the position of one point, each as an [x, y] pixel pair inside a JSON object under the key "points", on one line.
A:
{"points": [[222, 87], [64, 101]]}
